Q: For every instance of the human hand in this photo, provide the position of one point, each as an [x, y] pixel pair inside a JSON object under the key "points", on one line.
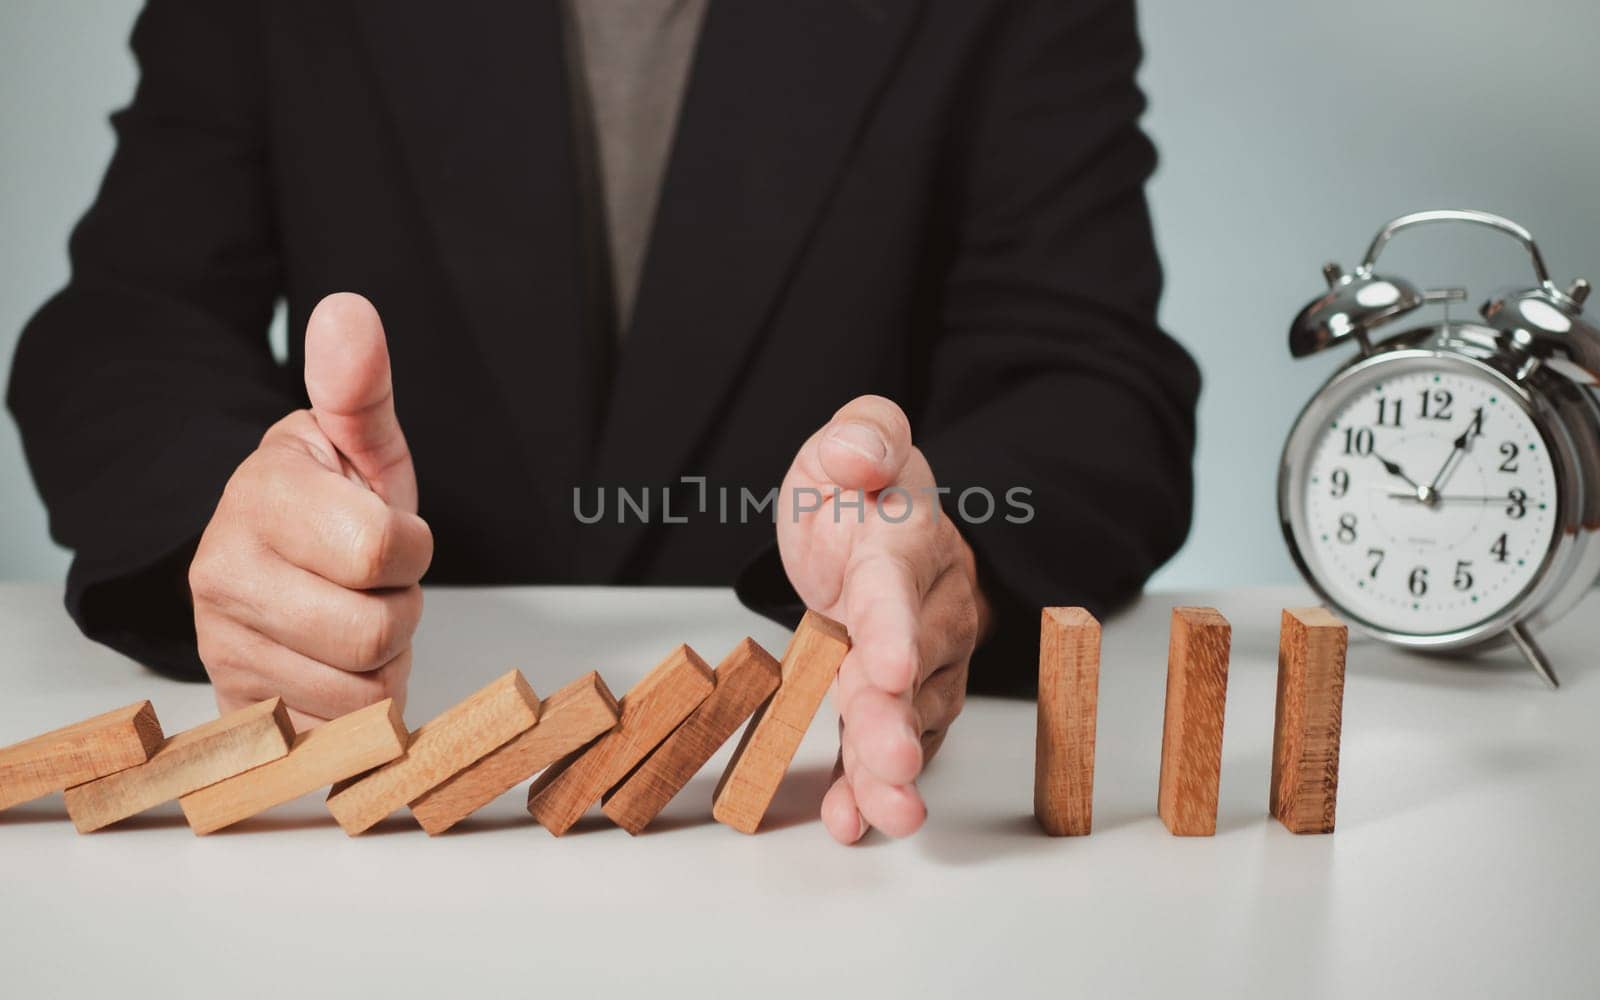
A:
{"points": [[907, 591], [305, 582]]}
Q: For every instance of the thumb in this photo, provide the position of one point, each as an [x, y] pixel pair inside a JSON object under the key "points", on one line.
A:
{"points": [[865, 445], [352, 395]]}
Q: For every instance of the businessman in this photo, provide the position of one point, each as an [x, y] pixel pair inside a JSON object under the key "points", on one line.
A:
{"points": [[893, 255]]}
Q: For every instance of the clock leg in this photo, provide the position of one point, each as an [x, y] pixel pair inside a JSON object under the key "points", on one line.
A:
{"points": [[1535, 655]]}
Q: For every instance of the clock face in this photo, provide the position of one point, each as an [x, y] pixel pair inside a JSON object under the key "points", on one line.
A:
{"points": [[1429, 499]]}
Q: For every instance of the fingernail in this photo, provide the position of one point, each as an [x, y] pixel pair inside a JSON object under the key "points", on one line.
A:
{"points": [[862, 440], [861, 827]]}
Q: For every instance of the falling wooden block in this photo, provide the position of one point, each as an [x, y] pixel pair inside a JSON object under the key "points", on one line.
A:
{"points": [[568, 720], [346, 746], [441, 748], [186, 762], [770, 741], [1191, 740], [1305, 733], [81, 752], [560, 796], [1069, 687], [745, 679]]}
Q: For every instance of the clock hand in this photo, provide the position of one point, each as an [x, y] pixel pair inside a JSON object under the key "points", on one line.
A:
{"points": [[1439, 498], [1458, 448], [1393, 468]]}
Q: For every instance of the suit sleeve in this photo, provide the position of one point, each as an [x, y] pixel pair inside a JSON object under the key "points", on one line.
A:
{"points": [[1048, 371], [140, 386]]}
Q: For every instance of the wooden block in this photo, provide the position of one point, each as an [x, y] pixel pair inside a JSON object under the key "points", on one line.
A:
{"points": [[349, 745], [1305, 732], [560, 796], [568, 720], [1069, 688], [770, 741], [442, 747], [1191, 740], [81, 752], [188, 761], [745, 679]]}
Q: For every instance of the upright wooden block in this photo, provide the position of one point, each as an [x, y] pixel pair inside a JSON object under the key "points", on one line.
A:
{"points": [[1191, 741], [770, 741], [560, 796], [188, 761], [1069, 689], [568, 720], [1305, 733], [81, 752], [346, 746], [442, 747], [745, 679]]}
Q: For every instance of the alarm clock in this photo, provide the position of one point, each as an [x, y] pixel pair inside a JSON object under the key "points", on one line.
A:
{"points": [[1441, 490]]}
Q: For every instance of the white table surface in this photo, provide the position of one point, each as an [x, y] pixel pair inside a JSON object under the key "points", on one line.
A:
{"points": [[1464, 864]]}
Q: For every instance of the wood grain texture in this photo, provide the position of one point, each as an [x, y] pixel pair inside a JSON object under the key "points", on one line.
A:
{"points": [[568, 720], [770, 741], [1069, 691], [111, 742], [186, 762], [349, 745], [1191, 739], [440, 748], [1305, 734], [745, 679], [651, 710]]}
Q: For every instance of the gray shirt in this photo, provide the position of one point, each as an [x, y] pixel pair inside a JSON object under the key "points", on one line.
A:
{"points": [[629, 64]]}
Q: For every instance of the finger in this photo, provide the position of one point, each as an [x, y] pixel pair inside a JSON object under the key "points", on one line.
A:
{"points": [[839, 813], [328, 525], [865, 445], [352, 395], [354, 630], [882, 598], [937, 705], [897, 810], [880, 732], [246, 667]]}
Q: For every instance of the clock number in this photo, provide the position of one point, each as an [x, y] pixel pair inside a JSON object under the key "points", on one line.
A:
{"points": [[1441, 400], [1475, 429], [1498, 549], [1384, 413], [1341, 483], [1509, 450], [1463, 577], [1347, 528], [1417, 583], [1376, 555], [1358, 442], [1516, 504]]}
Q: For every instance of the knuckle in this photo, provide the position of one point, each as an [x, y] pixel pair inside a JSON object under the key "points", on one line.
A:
{"points": [[373, 635], [371, 543]]}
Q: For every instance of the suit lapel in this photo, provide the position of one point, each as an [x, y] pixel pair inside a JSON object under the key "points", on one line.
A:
{"points": [[479, 96], [777, 95]]}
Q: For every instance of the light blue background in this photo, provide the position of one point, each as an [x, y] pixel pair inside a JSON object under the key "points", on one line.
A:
{"points": [[1289, 132]]}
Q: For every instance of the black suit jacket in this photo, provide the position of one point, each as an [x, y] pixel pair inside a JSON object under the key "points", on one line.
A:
{"points": [[936, 200]]}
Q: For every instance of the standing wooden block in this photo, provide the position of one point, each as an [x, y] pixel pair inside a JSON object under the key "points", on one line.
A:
{"points": [[188, 761], [652, 709], [770, 741], [568, 720], [745, 679], [349, 745], [445, 745], [1191, 741], [1069, 689], [1305, 733], [78, 753]]}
